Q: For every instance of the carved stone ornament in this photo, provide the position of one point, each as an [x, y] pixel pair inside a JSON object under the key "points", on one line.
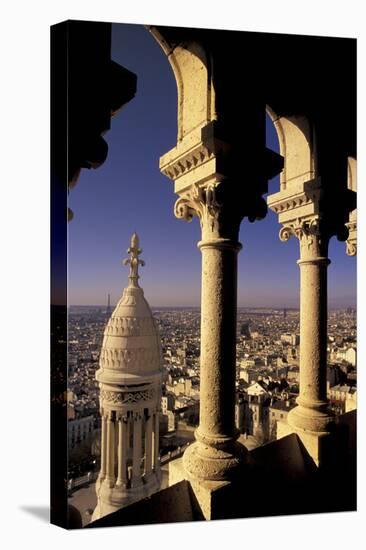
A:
{"points": [[351, 243], [129, 359], [312, 235], [201, 202], [189, 161], [126, 397], [134, 261], [351, 248], [302, 229], [130, 326]]}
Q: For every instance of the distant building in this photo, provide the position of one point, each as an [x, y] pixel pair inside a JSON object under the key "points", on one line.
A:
{"points": [[79, 429], [240, 406], [278, 411], [351, 401], [293, 374], [245, 330], [167, 402], [347, 354], [292, 339], [339, 395], [248, 375], [256, 412]]}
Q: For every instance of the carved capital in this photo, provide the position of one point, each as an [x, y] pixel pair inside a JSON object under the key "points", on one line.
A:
{"points": [[351, 242], [312, 234], [201, 202], [351, 248], [220, 207]]}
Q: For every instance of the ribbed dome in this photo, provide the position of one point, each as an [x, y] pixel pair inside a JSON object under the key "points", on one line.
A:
{"points": [[131, 351]]}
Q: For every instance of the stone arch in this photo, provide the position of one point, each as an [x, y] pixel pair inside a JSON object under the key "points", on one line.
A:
{"points": [[192, 71], [352, 173], [296, 136]]}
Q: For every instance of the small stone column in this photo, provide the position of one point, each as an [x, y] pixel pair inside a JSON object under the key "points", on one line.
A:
{"points": [[137, 451], [156, 442], [103, 449], [148, 444], [313, 212], [110, 474], [216, 455], [312, 413], [122, 455]]}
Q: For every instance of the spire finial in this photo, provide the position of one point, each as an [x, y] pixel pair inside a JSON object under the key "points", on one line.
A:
{"points": [[134, 260]]}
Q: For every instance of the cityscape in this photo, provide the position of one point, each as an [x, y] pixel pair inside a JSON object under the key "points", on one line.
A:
{"points": [[267, 381]]}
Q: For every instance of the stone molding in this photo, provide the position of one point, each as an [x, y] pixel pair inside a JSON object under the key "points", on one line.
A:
{"points": [[130, 326], [289, 203], [131, 360], [122, 398], [187, 161]]}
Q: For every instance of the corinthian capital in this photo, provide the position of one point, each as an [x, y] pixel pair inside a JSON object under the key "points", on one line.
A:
{"points": [[351, 243], [202, 202], [220, 207], [312, 233]]}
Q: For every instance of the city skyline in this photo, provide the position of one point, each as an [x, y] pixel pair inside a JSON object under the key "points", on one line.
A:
{"points": [[130, 188]]}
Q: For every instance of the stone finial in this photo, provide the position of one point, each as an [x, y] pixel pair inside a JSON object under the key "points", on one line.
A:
{"points": [[134, 251]]}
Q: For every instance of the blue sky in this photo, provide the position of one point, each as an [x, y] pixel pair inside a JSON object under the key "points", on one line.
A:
{"points": [[129, 194]]}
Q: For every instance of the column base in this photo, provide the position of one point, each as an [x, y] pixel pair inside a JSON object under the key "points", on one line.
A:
{"points": [[113, 499], [311, 419], [213, 499], [136, 483], [317, 443], [203, 462]]}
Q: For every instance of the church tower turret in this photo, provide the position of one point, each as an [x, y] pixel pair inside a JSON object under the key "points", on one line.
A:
{"points": [[130, 379]]}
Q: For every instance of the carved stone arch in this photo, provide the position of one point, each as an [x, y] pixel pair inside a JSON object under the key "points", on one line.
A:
{"points": [[352, 173], [351, 243], [192, 71], [296, 136]]}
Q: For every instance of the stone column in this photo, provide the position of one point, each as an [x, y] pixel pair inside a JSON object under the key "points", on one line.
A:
{"points": [[312, 413], [110, 474], [156, 442], [122, 454], [103, 449], [137, 450], [313, 210], [216, 455], [148, 444]]}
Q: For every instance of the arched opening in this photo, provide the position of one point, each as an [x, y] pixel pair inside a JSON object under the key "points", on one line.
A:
{"points": [[259, 287], [128, 192]]}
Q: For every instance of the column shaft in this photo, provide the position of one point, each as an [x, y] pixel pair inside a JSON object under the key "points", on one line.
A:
{"points": [[122, 452], [137, 448], [148, 445], [312, 413], [313, 332], [103, 447], [216, 455], [218, 341], [110, 450], [156, 441]]}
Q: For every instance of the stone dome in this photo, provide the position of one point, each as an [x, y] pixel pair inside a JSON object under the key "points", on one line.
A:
{"points": [[131, 350]]}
